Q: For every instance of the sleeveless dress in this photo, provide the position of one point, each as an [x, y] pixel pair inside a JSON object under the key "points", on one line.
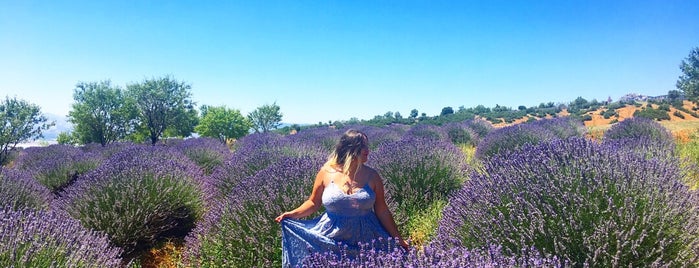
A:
{"points": [[348, 219]]}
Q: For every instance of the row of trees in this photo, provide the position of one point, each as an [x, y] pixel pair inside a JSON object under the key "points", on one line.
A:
{"points": [[687, 85], [154, 109], [145, 111]]}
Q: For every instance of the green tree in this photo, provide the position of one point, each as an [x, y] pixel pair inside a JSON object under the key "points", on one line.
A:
{"points": [[688, 82], [21, 121], [67, 138], [163, 104], [413, 113], [101, 113], [222, 123], [266, 117], [447, 110]]}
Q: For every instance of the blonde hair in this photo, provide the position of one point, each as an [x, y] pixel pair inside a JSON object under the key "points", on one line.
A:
{"points": [[348, 149]]}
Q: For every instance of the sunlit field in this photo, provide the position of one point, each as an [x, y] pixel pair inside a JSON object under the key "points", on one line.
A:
{"points": [[547, 193]]}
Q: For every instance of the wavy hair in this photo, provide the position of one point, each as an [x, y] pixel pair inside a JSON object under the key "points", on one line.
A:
{"points": [[348, 149]]}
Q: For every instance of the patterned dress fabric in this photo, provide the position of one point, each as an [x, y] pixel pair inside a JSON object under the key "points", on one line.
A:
{"points": [[348, 220]]}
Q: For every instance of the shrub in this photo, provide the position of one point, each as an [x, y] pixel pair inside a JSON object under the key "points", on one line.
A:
{"points": [[586, 202], [18, 190], [240, 230], [432, 257], [255, 153], [563, 127], [323, 137], [139, 197], [56, 166], [642, 135], [510, 138], [48, 239], [207, 153], [425, 131], [638, 127], [418, 173], [650, 113], [608, 113], [460, 133], [379, 135], [678, 114]]}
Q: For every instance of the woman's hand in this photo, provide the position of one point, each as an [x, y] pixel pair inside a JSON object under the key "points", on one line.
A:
{"points": [[283, 216], [404, 244]]}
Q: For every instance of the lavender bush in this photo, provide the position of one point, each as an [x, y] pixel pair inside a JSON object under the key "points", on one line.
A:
{"points": [[46, 239], [139, 197], [418, 173], [379, 135], [56, 166], [506, 139], [481, 127], [432, 257], [207, 153], [255, 153], [18, 190], [425, 131], [460, 133], [593, 204], [240, 231], [643, 136], [322, 137], [563, 127], [638, 127]]}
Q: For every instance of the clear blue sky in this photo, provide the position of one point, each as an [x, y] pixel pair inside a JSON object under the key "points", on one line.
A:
{"points": [[334, 60]]}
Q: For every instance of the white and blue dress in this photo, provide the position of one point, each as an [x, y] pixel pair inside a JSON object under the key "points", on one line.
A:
{"points": [[349, 219]]}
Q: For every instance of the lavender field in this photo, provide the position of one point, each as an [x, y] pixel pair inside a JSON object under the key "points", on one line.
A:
{"points": [[538, 194]]}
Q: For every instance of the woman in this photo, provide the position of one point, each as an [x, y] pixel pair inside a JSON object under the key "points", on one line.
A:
{"points": [[353, 197]]}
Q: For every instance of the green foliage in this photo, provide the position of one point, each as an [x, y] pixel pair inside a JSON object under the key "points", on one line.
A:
{"points": [[689, 154], [163, 104], [265, 118], [688, 82], [678, 114], [675, 97], [19, 121], [222, 123], [101, 114], [651, 113], [413, 113], [608, 113], [67, 138], [446, 111]]}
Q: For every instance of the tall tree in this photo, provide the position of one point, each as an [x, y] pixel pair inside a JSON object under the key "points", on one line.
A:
{"points": [[222, 123], [413, 113], [20, 121], [101, 113], [446, 111], [265, 118], [163, 104], [689, 80]]}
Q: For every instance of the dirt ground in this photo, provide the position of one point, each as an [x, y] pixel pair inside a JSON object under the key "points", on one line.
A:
{"points": [[681, 128]]}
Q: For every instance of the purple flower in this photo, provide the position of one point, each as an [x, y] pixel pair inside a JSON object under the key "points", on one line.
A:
{"points": [[46, 239], [141, 196], [56, 166], [590, 203], [207, 153], [239, 230], [18, 190]]}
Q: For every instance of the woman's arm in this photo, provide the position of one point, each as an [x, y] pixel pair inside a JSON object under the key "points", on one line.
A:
{"points": [[312, 204], [383, 213]]}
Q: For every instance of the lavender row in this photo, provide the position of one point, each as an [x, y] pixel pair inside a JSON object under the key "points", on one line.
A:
{"points": [[586, 202], [46, 239]]}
